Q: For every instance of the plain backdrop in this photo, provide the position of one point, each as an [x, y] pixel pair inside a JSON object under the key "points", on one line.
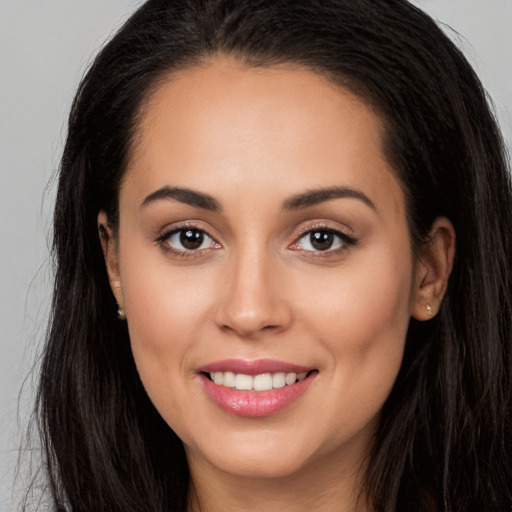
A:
{"points": [[45, 47]]}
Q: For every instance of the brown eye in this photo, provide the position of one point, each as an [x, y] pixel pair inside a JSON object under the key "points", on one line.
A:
{"points": [[326, 240], [191, 239], [187, 240], [321, 240]]}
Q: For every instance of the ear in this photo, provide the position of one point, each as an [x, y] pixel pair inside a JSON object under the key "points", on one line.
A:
{"points": [[433, 269], [109, 246]]}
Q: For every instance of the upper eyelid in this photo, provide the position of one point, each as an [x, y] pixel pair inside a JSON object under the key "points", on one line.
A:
{"points": [[165, 245], [182, 226], [324, 226], [347, 238]]}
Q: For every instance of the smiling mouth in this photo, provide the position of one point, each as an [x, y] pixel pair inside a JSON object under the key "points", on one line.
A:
{"points": [[261, 382], [255, 389]]}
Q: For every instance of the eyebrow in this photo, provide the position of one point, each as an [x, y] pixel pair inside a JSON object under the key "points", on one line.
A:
{"points": [[313, 197], [298, 202], [184, 195]]}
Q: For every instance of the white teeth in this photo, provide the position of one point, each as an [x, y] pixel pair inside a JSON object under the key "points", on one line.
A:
{"points": [[243, 382], [290, 378], [279, 380], [262, 382], [229, 380]]}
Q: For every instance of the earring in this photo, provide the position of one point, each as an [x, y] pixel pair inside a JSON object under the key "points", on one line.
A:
{"points": [[121, 315], [428, 307]]}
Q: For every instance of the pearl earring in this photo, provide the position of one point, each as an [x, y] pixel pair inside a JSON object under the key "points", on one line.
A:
{"points": [[121, 315], [428, 307]]}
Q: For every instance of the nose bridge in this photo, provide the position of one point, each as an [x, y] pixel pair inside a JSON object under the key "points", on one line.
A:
{"points": [[252, 302]]}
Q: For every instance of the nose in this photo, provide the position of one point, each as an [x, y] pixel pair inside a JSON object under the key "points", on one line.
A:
{"points": [[254, 299]]}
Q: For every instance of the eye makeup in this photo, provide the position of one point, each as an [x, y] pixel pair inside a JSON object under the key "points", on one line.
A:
{"points": [[317, 240]]}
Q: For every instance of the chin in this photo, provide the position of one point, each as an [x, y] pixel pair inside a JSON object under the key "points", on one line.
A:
{"points": [[255, 460], [257, 468]]}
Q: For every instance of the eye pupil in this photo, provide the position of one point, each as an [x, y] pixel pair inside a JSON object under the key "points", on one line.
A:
{"points": [[321, 240], [191, 238]]}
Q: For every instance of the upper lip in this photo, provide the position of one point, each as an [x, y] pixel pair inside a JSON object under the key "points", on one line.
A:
{"points": [[253, 367]]}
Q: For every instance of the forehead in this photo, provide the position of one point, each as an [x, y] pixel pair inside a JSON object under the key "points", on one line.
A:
{"points": [[223, 123]]}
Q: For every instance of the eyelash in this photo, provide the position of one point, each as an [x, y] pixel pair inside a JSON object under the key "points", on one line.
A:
{"points": [[345, 241], [163, 240]]}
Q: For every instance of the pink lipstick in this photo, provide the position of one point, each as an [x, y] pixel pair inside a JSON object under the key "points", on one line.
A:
{"points": [[255, 388]]}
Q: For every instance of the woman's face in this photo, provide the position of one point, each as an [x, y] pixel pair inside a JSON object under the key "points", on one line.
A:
{"points": [[263, 243]]}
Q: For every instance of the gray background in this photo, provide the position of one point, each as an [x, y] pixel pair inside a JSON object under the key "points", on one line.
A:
{"points": [[45, 46]]}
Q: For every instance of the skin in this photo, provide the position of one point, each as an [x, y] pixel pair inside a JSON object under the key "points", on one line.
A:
{"points": [[252, 139]]}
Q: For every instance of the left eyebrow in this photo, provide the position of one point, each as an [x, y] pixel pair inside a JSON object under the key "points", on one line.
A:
{"points": [[314, 197], [186, 196]]}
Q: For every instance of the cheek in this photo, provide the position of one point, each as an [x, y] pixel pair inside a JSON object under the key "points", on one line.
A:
{"points": [[360, 319], [362, 304], [166, 311]]}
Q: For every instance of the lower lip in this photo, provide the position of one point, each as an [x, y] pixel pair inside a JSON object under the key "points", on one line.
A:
{"points": [[256, 404]]}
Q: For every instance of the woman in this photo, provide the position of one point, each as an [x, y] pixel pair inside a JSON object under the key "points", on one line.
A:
{"points": [[282, 233]]}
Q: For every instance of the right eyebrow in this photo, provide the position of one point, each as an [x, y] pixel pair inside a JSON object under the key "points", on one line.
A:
{"points": [[316, 196], [184, 195]]}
